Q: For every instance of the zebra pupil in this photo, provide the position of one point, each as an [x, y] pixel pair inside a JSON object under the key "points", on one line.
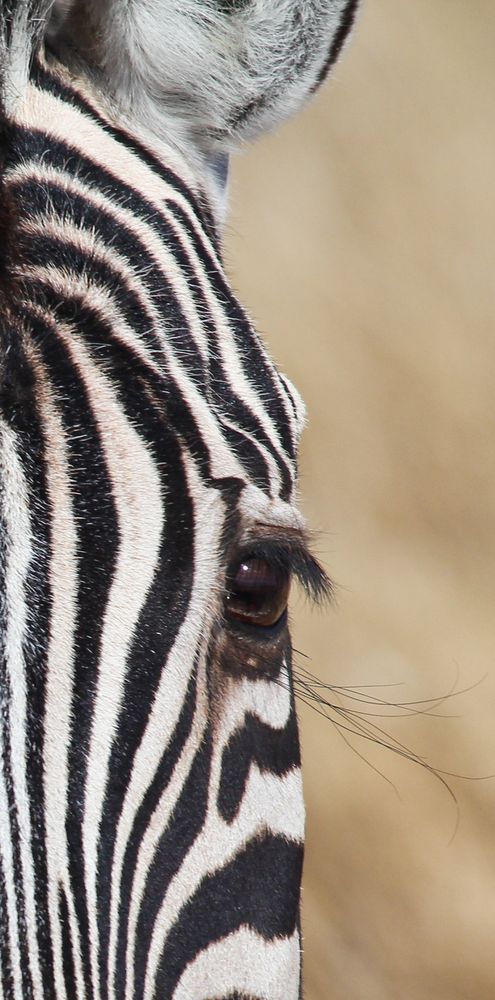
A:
{"points": [[259, 593]]}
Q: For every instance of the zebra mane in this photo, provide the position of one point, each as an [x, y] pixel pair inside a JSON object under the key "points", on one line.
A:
{"points": [[208, 72]]}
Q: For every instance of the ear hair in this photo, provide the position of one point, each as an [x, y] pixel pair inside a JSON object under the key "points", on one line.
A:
{"points": [[214, 72]]}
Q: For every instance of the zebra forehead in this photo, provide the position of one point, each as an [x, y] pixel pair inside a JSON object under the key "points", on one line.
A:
{"points": [[109, 240]]}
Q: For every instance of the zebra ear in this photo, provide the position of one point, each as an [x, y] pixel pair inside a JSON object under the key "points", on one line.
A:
{"points": [[22, 27], [217, 71]]}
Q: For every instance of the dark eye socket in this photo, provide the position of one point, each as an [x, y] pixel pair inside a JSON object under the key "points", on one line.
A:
{"points": [[258, 593]]}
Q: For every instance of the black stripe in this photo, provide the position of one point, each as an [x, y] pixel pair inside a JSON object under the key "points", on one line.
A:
{"points": [[15, 839], [259, 889], [6, 976], [68, 964], [274, 751], [52, 83], [345, 26], [5, 960]]}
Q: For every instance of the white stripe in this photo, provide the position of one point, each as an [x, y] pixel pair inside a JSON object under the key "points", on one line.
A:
{"points": [[19, 555], [269, 700], [60, 676], [247, 963]]}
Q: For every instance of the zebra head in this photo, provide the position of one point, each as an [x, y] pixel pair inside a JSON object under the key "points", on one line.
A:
{"points": [[151, 813]]}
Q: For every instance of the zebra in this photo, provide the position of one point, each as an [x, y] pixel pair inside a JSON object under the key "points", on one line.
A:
{"points": [[151, 810]]}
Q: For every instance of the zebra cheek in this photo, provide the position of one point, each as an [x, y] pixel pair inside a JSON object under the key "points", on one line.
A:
{"points": [[256, 729], [242, 653]]}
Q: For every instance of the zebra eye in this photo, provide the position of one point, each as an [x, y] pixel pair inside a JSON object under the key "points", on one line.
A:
{"points": [[258, 593]]}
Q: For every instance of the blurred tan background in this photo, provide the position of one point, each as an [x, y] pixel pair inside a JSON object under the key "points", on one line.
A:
{"points": [[362, 240]]}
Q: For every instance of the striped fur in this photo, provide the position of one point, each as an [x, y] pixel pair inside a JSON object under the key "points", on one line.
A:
{"points": [[151, 815]]}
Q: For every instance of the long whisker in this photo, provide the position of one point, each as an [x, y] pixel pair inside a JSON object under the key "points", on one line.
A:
{"points": [[354, 722]]}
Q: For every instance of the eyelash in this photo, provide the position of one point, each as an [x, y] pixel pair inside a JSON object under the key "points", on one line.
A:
{"points": [[259, 580]]}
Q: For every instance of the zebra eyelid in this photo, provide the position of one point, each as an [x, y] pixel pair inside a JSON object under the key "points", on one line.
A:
{"points": [[288, 549]]}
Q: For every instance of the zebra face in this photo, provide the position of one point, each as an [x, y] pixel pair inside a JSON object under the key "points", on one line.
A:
{"points": [[151, 758], [151, 812]]}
